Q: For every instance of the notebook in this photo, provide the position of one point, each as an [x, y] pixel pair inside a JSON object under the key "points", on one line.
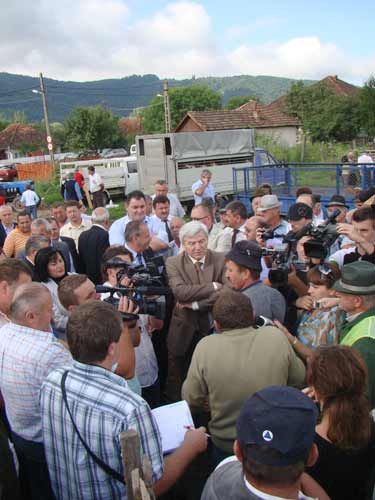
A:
{"points": [[172, 421]]}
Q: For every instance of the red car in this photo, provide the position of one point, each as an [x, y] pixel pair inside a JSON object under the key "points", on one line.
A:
{"points": [[8, 173]]}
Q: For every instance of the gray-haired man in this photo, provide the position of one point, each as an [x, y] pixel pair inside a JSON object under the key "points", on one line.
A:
{"points": [[195, 275]]}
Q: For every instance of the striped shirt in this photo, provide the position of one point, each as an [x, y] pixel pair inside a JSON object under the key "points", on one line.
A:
{"points": [[102, 406], [27, 356], [14, 242]]}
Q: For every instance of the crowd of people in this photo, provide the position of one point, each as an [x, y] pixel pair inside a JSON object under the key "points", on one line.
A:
{"points": [[263, 324]]}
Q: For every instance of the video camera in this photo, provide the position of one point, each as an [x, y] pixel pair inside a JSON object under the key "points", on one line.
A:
{"points": [[146, 288], [282, 262], [323, 235]]}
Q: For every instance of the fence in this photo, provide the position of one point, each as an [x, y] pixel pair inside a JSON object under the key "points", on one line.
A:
{"points": [[325, 179], [40, 171]]}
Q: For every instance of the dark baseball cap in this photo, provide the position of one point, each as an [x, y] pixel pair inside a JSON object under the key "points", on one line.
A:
{"points": [[281, 418], [337, 200], [247, 254], [299, 211]]}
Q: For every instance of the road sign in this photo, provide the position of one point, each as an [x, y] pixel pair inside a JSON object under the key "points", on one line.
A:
{"points": [[50, 146], [49, 138]]}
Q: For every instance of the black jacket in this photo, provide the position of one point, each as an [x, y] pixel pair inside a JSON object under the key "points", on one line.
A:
{"points": [[91, 246]]}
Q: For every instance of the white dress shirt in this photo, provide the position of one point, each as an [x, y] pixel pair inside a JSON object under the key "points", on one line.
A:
{"points": [[117, 229], [175, 207]]}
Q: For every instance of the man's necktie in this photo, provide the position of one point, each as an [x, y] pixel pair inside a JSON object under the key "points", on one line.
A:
{"points": [[234, 236], [139, 259], [170, 237], [198, 268]]}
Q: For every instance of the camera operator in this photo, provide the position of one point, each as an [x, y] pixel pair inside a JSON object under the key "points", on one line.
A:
{"points": [[299, 216], [243, 267], [338, 203], [362, 232], [269, 210], [146, 365], [77, 289]]}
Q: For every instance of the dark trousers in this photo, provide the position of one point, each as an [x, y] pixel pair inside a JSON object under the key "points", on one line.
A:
{"points": [[98, 199], [9, 485], [178, 367], [152, 394], [34, 475]]}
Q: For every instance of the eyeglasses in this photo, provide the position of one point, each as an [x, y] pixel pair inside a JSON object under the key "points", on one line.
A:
{"points": [[199, 218]]}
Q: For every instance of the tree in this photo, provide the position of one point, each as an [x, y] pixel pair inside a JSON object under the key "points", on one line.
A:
{"points": [[367, 106], [181, 100], [92, 128], [324, 115], [238, 100]]}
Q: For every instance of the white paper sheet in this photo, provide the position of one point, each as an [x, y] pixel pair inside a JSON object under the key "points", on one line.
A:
{"points": [[172, 421]]}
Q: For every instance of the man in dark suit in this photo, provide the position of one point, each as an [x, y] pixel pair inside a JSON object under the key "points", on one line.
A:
{"points": [[33, 245], [195, 276], [93, 243], [68, 243], [7, 224]]}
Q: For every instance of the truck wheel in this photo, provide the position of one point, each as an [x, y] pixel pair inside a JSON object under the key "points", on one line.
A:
{"points": [[106, 198], [17, 205]]}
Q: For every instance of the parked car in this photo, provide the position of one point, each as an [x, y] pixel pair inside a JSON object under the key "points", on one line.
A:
{"points": [[8, 172], [115, 153]]}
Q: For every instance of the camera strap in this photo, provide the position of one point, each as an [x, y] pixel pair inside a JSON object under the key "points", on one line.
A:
{"points": [[111, 472]]}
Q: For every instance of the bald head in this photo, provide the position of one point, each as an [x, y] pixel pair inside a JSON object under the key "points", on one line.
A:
{"points": [[32, 306], [100, 216], [251, 226]]}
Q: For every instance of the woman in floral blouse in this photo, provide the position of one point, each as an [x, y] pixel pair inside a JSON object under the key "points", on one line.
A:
{"points": [[317, 326]]}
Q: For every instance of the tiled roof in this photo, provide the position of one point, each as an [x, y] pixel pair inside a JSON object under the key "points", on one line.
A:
{"points": [[258, 117], [340, 87], [17, 134]]}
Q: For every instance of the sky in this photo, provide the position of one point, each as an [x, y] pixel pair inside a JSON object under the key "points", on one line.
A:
{"points": [[83, 40]]}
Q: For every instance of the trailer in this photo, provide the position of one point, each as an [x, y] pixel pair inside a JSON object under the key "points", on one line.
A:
{"points": [[179, 158]]}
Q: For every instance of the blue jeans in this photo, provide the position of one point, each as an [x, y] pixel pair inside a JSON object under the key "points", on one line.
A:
{"points": [[33, 468], [32, 210]]}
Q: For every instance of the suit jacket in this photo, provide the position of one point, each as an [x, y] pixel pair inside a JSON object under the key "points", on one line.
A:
{"points": [[91, 246], [3, 234], [183, 280], [72, 250]]}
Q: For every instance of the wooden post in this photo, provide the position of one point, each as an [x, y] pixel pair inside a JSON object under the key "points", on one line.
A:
{"points": [[131, 457], [88, 195]]}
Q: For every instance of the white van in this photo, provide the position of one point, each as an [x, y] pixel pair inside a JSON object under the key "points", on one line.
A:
{"points": [[119, 174]]}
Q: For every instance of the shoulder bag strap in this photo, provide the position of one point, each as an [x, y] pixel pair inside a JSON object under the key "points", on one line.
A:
{"points": [[111, 472]]}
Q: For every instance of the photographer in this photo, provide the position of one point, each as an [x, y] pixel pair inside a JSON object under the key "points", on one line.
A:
{"points": [[316, 326], [146, 365], [362, 232], [77, 289]]}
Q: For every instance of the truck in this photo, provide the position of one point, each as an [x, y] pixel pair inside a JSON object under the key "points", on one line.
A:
{"points": [[179, 158]]}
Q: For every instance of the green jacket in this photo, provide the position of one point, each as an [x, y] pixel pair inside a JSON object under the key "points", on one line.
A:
{"points": [[360, 334], [229, 367]]}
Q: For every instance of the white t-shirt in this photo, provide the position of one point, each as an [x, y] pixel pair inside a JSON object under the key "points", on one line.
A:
{"points": [[95, 181], [29, 198]]}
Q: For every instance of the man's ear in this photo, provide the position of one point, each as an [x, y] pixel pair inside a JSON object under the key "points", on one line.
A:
{"points": [[217, 326], [237, 451], [71, 308], [313, 456]]}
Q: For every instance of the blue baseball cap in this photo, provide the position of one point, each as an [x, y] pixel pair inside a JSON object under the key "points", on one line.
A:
{"points": [[281, 418]]}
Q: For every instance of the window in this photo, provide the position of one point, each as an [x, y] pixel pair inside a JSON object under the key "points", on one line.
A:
{"points": [[132, 167], [141, 147], [167, 145]]}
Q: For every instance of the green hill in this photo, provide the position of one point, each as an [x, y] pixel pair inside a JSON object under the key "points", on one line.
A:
{"points": [[121, 95]]}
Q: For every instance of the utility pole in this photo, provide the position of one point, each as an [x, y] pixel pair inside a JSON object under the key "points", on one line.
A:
{"points": [[45, 111], [167, 111]]}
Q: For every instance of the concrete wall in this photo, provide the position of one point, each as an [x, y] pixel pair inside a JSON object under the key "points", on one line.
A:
{"points": [[282, 135]]}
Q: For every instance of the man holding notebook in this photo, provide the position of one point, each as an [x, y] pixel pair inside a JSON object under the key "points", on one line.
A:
{"points": [[85, 408]]}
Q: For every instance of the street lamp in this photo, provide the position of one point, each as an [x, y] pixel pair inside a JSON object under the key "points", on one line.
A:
{"points": [[42, 92]]}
